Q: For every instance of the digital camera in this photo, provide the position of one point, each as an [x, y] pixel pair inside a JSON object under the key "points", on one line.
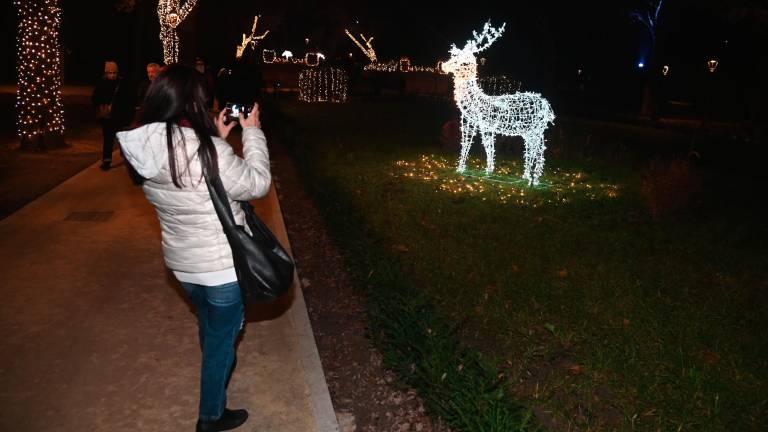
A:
{"points": [[234, 110]]}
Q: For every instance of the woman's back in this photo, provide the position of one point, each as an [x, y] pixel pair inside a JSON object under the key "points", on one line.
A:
{"points": [[193, 239]]}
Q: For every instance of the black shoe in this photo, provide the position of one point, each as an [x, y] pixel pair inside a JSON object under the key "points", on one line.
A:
{"points": [[229, 420], [105, 165]]}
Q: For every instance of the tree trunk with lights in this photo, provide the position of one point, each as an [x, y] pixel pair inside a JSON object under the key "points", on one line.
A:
{"points": [[39, 110]]}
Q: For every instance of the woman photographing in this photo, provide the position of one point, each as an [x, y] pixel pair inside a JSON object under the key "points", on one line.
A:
{"points": [[175, 143]]}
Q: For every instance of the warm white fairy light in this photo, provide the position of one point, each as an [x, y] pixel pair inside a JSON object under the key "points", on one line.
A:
{"points": [[171, 15], [404, 64], [563, 187], [323, 85], [250, 40], [399, 66], [367, 49], [38, 99], [521, 114], [270, 56]]}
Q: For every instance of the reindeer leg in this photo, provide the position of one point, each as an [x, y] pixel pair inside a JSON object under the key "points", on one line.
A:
{"points": [[467, 133], [528, 157], [490, 152], [538, 167]]}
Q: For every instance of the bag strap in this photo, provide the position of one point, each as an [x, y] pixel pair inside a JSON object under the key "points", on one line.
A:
{"points": [[220, 200]]}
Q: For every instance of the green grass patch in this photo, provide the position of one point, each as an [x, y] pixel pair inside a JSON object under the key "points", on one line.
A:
{"points": [[598, 317]]}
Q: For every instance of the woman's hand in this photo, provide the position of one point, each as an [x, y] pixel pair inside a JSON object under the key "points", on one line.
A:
{"points": [[253, 118], [222, 126]]}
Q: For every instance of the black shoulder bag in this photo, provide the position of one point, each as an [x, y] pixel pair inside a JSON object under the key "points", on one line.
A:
{"points": [[264, 268]]}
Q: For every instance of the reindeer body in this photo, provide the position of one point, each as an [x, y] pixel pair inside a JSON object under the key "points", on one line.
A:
{"points": [[521, 114]]}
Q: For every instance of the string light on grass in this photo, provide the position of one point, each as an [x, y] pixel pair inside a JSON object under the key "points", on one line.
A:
{"points": [[38, 98], [559, 187], [323, 85], [250, 40], [268, 56], [171, 14], [520, 114]]}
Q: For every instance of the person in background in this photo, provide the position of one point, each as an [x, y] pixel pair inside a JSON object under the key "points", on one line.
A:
{"points": [[176, 142], [112, 109], [210, 80], [152, 70]]}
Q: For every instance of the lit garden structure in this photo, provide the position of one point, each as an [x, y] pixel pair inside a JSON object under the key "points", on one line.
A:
{"points": [[522, 114], [323, 85]]}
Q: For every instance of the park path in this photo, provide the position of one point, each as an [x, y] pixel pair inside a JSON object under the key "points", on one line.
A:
{"points": [[98, 336]]}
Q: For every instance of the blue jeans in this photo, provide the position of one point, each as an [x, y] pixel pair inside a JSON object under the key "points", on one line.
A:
{"points": [[219, 318]]}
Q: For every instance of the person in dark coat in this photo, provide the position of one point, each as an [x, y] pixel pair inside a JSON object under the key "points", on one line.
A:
{"points": [[113, 109], [152, 70]]}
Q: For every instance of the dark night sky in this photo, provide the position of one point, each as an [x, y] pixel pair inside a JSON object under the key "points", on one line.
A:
{"points": [[544, 38]]}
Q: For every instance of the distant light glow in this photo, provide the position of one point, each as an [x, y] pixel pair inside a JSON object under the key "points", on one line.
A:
{"points": [[521, 114], [641, 65], [287, 54], [665, 70], [712, 65]]}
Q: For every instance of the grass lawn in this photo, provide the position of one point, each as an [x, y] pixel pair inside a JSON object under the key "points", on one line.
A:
{"points": [[597, 315]]}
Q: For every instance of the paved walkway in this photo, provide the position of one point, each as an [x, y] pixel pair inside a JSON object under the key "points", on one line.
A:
{"points": [[97, 335]]}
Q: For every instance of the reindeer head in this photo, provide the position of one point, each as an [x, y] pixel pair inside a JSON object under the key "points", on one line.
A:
{"points": [[462, 64]]}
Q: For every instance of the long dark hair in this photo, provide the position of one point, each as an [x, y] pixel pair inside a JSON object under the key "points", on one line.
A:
{"points": [[176, 96]]}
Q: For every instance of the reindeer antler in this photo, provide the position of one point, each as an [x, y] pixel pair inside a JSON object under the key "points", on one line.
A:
{"points": [[489, 33]]}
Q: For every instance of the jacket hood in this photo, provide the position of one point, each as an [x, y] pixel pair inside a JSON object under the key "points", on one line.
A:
{"points": [[146, 147]]}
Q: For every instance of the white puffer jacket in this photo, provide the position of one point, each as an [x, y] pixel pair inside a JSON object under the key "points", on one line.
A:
{"points": [[193, 239]]}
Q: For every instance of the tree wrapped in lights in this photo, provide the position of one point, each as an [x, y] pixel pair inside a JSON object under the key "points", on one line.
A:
{"points": [[521, 114], [38, 104], [250, 40], [171, 15], [323, 85], [367, 49]]}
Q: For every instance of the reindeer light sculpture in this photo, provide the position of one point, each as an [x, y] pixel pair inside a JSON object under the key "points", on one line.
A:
{"points": [[521, 114]]}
